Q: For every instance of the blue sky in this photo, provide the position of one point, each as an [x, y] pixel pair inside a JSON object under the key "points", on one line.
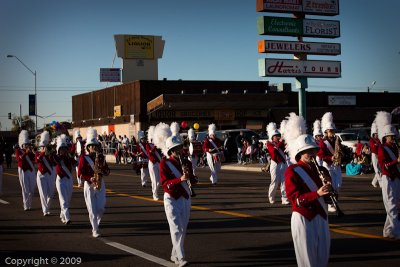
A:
{"points": [[67, 42]]}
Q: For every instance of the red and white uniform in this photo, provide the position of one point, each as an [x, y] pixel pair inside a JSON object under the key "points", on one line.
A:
{"points": [[325, 153], [195, 151], [374, 144], [44, 180], [95, 199], [141, 153], [76, 151], [154, 167], [277, 170], [64, 184], [309, 222], [387, 159], [213, 159], [177, 202], [27, 177]]}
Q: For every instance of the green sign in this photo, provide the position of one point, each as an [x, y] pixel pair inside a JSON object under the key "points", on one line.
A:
{"points": [[279, 26]]}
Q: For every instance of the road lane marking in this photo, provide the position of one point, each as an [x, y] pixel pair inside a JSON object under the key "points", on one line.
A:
{"points": [[138, 253]]}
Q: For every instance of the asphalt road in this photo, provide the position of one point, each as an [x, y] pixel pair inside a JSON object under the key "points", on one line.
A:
{"points": [[231, 225]]}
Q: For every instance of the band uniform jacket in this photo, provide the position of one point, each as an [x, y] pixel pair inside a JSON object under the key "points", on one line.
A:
{"points": [[151, 151], [374, 144], [324, 153], [85, 171], [139, 152], [21, 155], [69, 162], [39, 159], [171, 184], [207, 145], [303, 200], [389, 167], [273, 151]]}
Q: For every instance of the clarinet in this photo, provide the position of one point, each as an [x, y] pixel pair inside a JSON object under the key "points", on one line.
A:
{"points": [[332, 192], [185, 171]]}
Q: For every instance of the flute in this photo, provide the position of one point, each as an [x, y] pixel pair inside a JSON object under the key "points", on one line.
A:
{"points": [[332, 193]]}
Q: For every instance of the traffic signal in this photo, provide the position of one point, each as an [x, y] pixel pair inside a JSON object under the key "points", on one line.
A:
{"points": [[9, 115]]}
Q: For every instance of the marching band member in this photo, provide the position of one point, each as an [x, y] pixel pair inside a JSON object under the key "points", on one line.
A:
{"points": [[307, 193], [141, 153], [318, 136], [278, 165], [176, 176], [44, 173], [64, 181], [212, 146], [389, 162], [374, 144], [195, 150], [330, 152], [93, 191], [154, 154], [26, 170]]}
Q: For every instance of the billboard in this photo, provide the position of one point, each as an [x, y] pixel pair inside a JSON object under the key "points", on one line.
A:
{"points": [[272, 67], [139, 47], [288, 47], [110, 75], [312, 7], [298, 27]]}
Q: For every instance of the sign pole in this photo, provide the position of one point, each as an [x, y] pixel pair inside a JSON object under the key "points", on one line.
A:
{"points": [[301, 82]]}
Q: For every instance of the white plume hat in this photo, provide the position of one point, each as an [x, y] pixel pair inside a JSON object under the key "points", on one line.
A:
{"points": [[91, 137], [327, 122], [77, 134], [141, 134], [175, 128], [317, 128], [191, 134], [161, 133], [271, 130], [172, 141], [23, 138], [44, 138], [61, 142], [374, 128], [211, 129], [383, 122], [296, 136], [282, 128], [150, 133]]}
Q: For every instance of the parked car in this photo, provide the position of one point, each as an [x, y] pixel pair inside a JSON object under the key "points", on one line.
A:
{"points": [[362, 132], [350, 140]]}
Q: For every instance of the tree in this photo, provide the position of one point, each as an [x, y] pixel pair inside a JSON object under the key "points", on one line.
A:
{"points": [[26, 124]]}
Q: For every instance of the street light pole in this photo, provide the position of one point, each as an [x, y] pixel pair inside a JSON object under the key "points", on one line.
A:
{"points": [[34, 74]]}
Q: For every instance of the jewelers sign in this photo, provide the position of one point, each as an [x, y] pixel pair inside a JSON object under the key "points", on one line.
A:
{"points": [[272, 67], [298, 27], [286, 47]]}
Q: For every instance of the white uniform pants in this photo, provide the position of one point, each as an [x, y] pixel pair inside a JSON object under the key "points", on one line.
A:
{"points": [[336, 174], [377, 178], [194, 159], [78, 179], [277, 179], [64, 188], [154, 171], [311, 240], [178, 213], [144, 175], [45, 184], [1, 179], [215, 167], [391, 197], [95, 203], [27, 179], [53, 181]]}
